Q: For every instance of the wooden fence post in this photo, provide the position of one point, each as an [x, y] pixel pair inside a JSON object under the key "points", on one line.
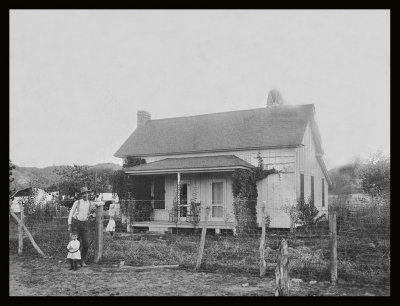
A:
{"points": [[203, 239], [21, 230], [333, 245], [99, 234], [263, 264], [281, 270], [27, 233]]}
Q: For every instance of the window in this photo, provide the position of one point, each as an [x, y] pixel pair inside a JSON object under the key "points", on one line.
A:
{"points": [[301, 186], [217, 199], [159, 193], [323, 193], [312, 190]]}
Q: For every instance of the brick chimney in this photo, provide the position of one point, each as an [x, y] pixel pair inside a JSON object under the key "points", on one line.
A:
{"points": [[142, 117]]}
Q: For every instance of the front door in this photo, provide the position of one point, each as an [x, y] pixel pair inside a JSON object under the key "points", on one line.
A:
{"points": [[184, 201]]}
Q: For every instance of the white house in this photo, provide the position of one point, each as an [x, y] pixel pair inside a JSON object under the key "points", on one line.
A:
{"points": [[40, 197], [201, 152]]}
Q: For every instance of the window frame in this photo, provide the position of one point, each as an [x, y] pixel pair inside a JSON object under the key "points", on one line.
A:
{"points": [[223, 205], [187, 205]]}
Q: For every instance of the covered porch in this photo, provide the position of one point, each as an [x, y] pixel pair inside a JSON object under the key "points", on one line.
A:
{"points": [[179, 190]]}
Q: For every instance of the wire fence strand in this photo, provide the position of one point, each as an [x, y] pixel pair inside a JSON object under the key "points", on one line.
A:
{"points": [[145, 235]]}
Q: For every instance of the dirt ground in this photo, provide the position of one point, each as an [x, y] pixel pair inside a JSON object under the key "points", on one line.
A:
{"points": [[49, 277]]}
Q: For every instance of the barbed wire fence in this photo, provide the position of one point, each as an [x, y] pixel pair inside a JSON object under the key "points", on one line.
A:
{"points": [[363, 239], [47, 223], [228, 246], [363, 246]]}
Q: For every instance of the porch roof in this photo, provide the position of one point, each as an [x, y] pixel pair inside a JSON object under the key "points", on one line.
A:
{"points": [[191, 164]]}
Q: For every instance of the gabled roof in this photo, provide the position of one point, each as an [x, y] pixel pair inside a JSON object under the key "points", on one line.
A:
{"points": [[281, 126], [191, 164]]}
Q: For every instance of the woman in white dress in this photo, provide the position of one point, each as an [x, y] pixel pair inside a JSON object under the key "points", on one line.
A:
{"points": [[111, 223], [74, 254]]}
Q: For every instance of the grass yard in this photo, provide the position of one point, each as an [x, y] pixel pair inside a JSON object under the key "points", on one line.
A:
{"points": [[30, 276], [362, 259], [225, 254]]}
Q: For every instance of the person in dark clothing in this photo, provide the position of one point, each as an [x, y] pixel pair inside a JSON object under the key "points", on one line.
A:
{"points": [[78, 220]]}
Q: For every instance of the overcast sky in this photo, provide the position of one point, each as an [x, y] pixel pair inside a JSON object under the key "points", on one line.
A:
{"points": [[78, 77]]}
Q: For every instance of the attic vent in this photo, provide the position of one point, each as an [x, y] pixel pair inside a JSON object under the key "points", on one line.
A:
{"points": [[274, 98]]}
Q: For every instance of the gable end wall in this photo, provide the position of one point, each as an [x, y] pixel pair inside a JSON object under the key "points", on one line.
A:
{"points": [[308, 164]]}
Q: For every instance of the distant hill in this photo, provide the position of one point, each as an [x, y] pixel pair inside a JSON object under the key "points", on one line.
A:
{"points": [[344, 180], [25, 176], [103, 166]]}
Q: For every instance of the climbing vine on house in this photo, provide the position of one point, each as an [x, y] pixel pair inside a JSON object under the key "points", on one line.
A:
{"points": [[244, 189], [133, 188]]}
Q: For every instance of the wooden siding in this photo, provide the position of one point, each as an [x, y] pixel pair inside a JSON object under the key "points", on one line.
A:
{"points": [[275, 190], [307, 164], [201, 182]]}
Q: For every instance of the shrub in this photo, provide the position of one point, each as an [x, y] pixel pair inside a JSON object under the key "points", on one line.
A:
{"points": [[294, 215], [374, 174], [195, 212], [308, 211], [375, 217]]}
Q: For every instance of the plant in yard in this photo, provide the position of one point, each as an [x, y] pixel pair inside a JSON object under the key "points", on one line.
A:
{"points": [[294, 215], [195, 207], [308, 212], [374, 174], [374, 218], [229, 219], [195, 213], [175, 209], [62, 211]]}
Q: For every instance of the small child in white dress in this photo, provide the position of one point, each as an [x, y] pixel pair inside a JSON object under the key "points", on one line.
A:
{"points": [[74, 254]]}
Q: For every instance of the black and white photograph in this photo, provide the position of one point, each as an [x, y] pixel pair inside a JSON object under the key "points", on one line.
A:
{"points": [[199, 152]]}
